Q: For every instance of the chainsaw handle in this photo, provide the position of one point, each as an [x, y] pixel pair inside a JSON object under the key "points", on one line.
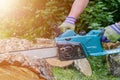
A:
{"points": [[68, 33]]}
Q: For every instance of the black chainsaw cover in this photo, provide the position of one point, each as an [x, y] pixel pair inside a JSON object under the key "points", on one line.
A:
{"points": [[70, 51]]}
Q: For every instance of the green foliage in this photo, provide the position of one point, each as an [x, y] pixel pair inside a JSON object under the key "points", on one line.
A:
{"points": [[99, 14], [114, 7], [36, 18]]}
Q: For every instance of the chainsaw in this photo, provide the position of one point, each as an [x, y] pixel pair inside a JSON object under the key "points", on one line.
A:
{"points": [[71, 46]]}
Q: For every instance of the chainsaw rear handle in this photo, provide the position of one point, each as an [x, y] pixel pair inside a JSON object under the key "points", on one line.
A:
{"points": [[90, 43]]}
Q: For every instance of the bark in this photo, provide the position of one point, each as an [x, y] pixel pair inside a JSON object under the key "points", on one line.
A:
{"points": [[12, 65], [20, 67], [13, 44]]}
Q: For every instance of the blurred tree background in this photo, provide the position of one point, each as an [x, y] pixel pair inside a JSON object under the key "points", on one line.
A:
{"points": [[36, 18]]}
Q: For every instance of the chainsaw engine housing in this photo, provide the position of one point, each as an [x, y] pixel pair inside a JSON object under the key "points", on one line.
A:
{"points": [[70, 51]]}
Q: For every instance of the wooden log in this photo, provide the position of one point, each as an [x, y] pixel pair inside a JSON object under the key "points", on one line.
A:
{"points": [[13, 44], [19, 67]]}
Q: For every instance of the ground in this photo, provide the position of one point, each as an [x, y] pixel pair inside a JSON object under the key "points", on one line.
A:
{"points": [[99, 69]]}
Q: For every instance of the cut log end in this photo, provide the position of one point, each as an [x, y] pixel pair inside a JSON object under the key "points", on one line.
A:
{"points": [[83, 66], [55, 62]]}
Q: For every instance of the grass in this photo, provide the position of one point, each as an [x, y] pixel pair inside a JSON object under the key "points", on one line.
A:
{"points": [[99, 71]]}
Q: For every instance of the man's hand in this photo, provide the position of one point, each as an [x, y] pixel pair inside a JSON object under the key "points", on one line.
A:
{"points": [[112, 32], [69, 23]]}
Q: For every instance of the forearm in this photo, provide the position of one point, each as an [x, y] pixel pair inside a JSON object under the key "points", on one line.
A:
{"points": [[78, 7]]}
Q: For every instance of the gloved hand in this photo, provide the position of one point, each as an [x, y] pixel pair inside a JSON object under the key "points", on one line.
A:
{"points": [[69, 23], [112, 33]]}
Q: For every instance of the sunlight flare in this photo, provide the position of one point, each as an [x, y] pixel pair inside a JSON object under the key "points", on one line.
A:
{"points": [[6, 4]]}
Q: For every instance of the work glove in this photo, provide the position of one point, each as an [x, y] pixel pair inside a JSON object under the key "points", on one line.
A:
{"points": [[112, 33], [69, 23]]}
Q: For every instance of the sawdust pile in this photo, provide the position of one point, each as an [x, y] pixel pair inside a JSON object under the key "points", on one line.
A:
{"points": [[20, 67]]}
